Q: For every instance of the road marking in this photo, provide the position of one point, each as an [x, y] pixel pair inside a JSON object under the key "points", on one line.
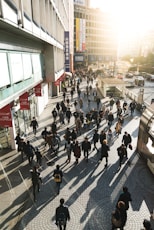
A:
{"points": [[8, 182]]}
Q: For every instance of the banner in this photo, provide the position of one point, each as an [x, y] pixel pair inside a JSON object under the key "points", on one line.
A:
{"points": [[38, 90], [24, 101], [57, 83], [5, 116]]}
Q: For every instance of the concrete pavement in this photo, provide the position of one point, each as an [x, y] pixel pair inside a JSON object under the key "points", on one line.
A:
{"points": [[90, 190]]}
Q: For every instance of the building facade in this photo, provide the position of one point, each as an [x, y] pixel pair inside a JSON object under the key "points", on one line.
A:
{"points": [[33, 59], [95, 38]]}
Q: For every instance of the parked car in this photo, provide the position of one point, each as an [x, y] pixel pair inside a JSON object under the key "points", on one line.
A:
{"points": [[139, 81], [150, 77], [120, 76], [129, 75]]}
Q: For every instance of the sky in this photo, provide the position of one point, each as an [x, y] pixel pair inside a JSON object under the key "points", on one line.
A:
{"points": [[132, 16]]}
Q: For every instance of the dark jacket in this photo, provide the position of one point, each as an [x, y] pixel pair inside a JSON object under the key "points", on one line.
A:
{"points": [[120, 213], [62, 209], [104, 150], [86, 146], [125, 197]]}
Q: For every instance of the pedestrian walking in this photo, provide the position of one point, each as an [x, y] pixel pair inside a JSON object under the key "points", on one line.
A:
{"points": [[54, 114], [109, 136], [147, 225], [62, 215], [58, 107], [58, 174], [29, 151], [34, 125], [38, 156], [111, 103], [68, 115], [64, 95], [110, 119], [44, 135], [119, 216], [86, 147], [104, 152], [132, 107], [118, 128], [77, 151], [61, 117], [68, 151], [95, 139], [102, 137], [18, 141], [36, 179], [122, 151], [126, 139], [125, 196]]}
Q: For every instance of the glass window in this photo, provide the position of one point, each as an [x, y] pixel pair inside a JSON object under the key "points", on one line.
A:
{"points": [[5, 79]]}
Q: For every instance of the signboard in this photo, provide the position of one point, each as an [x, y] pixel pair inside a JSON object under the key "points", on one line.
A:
{"points": [[80, 35], [24, 101], [67, 51], [38, 90], [57, 83], [5, 116]]}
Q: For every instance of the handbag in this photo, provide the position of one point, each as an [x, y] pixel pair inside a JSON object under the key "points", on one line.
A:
{"points": [[115, 222], [130, 147]]}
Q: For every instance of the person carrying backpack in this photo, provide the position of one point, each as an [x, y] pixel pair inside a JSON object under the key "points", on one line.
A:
{"points": [[62, 215], [57, 174]]}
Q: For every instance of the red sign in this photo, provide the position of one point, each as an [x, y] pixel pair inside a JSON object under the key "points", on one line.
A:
{"points": [[38, 90], [5, 116], [62, 77], [56, 83], [24, 102]]}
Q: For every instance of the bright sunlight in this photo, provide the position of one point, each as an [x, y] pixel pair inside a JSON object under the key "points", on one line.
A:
{"points": [[133, 17]]}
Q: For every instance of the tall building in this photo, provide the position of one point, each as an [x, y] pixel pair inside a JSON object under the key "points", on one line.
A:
{"points": [[95, 38], [36, 49]]}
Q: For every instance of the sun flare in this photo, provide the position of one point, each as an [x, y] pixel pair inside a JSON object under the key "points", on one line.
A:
{"points": [[131, 17]]}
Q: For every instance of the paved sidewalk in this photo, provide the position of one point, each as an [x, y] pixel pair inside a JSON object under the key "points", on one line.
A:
{"points": [[90, 190]]}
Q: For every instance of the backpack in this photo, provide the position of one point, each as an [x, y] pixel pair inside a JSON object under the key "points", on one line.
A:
{"points": [[61, 219], [57, 177]]}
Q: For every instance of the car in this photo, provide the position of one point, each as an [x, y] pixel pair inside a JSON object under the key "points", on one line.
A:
{"points": [[129, 75], [119, 76], [139, 81], [150, 77]]}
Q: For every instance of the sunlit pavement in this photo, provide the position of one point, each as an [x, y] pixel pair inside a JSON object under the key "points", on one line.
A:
{"points": [[89, 189]]}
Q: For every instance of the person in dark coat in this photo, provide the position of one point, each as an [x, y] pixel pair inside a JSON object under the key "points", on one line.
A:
{"points": [[77, 151], [18, 141], [147, 225], [58, 107], [57, 174], [62, 215], [38, 156], [126, 139], [95, 139], [29, 151], [34, 125], [125, 196], [68, 115], [86, 147], [110, 119], [54, 114], [102, 137], [122, 151], [120, 214], [35, 176], [104, 152]]}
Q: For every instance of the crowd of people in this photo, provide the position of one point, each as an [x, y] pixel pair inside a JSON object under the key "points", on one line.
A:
{"points": [[85, 112]]}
